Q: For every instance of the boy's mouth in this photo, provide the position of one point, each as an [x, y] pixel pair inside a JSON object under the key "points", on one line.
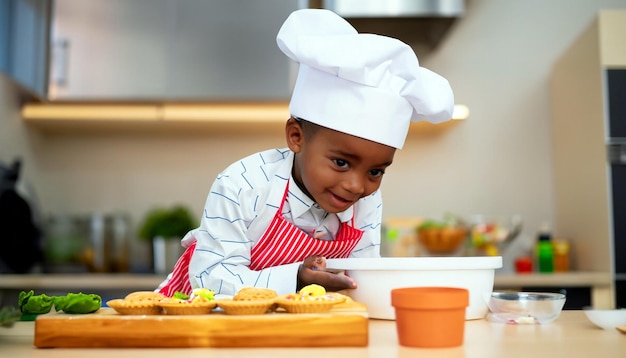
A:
{"points": [[339, 201]]}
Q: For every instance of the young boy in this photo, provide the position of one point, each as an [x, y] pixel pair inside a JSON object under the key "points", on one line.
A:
{"points": [[271, 219]]}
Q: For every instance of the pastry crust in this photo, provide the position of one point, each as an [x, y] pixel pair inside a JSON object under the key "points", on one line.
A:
{"points": [[304, 303], [144, 296], [180, 307], [255, 294], [245, 307], [136, 307]]}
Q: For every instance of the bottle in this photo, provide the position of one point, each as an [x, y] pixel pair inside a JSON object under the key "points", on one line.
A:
{"points": [[545, 251], [524, 262], [561, 255]]}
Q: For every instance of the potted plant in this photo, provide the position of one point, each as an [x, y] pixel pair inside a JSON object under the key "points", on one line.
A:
{"points": [[165, 227]]}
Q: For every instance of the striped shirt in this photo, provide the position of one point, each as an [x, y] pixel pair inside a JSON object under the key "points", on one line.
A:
{"points": [[239, 207]]}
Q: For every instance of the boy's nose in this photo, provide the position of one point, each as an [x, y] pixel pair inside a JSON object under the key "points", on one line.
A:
{"points": [[355, 184]]}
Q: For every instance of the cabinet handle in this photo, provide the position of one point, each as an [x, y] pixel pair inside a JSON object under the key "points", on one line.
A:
{"points": [[59, 62]]}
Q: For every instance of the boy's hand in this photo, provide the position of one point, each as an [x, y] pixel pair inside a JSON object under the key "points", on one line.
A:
{"points": [[313, 271]]}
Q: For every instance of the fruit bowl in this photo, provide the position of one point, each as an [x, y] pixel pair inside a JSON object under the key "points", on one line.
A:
{"points": [[442, 237], [442, 240], [491, 234]]}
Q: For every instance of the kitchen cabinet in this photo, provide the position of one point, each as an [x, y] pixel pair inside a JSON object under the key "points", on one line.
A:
{"points": [[590, 200], [163, 50], [24, 33]]}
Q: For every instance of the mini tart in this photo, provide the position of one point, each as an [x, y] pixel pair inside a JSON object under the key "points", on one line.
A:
{"points": [[130, 307], [241, 307], [182, 307], [144, 296], [297, 303], [255, 294]]}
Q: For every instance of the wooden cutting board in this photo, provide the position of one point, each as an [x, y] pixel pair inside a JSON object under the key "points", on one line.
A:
{"points": [[345, 326]]}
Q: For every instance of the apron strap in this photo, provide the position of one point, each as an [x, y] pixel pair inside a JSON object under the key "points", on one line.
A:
{"points": [[179, 281]]}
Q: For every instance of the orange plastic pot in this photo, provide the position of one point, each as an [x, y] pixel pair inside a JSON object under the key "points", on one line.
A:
{"points": [[430, 317]]}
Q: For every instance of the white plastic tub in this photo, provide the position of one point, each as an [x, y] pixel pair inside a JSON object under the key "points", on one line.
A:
{"points": [[376, 277]]}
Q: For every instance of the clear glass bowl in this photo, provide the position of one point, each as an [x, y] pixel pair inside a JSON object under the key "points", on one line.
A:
{"points": [[525, 307]]}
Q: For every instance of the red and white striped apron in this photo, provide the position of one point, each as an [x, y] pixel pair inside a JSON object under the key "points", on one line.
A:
{"points": [[282, 243]]}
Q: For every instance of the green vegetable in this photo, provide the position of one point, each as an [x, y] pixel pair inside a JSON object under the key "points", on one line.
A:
{"points": [[31, 304], [8, 315], [78, 303], [180, 295], [430, 224], [167, 223], [449, 220], [204, 292]]}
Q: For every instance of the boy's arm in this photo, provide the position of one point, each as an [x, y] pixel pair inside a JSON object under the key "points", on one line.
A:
{"points": [[220, 261]]}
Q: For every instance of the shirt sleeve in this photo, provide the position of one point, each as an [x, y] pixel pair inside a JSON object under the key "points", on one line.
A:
{"points": [[222, 256]]}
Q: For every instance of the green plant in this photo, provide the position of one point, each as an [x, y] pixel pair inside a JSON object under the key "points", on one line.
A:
{"points": [[167, 223]]}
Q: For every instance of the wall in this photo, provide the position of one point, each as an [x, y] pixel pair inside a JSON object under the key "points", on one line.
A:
{"points": [[498, 59]]}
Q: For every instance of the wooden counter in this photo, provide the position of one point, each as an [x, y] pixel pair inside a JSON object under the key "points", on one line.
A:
{"points": [[571, 335]]}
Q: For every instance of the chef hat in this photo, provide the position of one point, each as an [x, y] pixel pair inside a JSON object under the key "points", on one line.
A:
{"points": [[366, 85]]}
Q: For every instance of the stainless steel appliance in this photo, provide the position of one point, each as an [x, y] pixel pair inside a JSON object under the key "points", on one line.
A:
{"points": [[616, 147]]}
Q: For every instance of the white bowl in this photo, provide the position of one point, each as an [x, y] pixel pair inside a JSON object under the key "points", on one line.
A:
{"points": [[376, 277], [606, 319]]}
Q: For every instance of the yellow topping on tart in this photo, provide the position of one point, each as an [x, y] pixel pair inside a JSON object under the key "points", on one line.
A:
{"points": [[313, 290]]}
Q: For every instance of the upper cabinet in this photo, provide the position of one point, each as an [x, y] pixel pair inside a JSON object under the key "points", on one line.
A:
{"points": [[24, 33], [168, 50]]}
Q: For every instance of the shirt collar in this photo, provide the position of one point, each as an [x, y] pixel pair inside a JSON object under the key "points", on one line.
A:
{"points": [[300, 203]]}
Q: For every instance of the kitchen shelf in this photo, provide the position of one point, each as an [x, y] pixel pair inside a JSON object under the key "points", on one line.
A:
{"points": [[85, 117], [83, 281], [190, 117]]}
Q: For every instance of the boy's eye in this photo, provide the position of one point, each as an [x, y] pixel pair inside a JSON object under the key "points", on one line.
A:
{"points": [[340, 163], [377, 172]]}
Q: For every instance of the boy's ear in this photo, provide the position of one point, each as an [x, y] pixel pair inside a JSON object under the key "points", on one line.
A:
{"points": [[294, 135]]}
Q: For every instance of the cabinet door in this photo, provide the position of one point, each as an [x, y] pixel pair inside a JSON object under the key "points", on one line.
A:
{"points": [[169, 50], [113, 49], [24, 43], [227, 50]]}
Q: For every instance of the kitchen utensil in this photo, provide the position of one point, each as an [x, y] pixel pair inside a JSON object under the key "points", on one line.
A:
{"points": [[525, 307], [376, 277]]}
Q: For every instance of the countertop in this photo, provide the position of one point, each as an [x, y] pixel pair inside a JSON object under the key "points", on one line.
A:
{"points": [[118, 284], [571, 335], [151, 281]]}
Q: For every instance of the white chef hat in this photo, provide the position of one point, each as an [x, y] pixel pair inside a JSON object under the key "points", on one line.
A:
{"points": [[366, 85]]}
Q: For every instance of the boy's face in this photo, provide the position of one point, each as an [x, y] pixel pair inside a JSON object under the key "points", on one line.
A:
{"points": [[336, 169]]}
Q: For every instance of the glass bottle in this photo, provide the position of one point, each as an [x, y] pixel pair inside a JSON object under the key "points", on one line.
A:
{"points": [[545, 252]]}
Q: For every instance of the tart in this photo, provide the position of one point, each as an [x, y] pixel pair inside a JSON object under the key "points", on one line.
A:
{"points": [[183, 307], [138, 303], [249, 307], [249, 301], [310, 299], [200, 302], [129, 307]]}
